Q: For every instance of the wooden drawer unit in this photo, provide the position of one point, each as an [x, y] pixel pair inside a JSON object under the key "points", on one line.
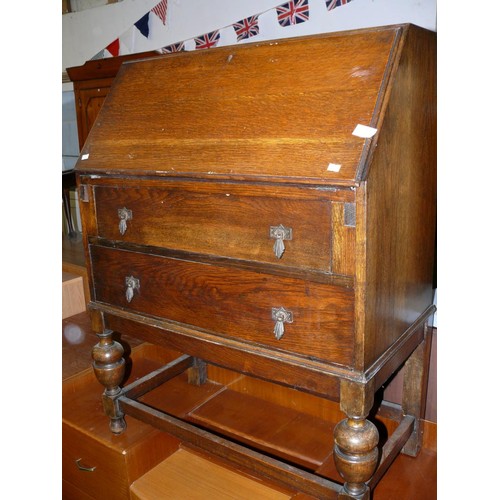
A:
{"points": [[92, 467], [95, 463], [278, 221]]}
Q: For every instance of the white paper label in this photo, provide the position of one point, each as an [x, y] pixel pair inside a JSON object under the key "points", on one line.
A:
{"points": [[364, 132], [333, 167], [85, 156]]}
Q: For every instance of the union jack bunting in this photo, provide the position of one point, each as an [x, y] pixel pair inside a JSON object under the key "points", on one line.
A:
{"points": [[208, 40], [246, 28], [160, 10], [169, 49], [293, 12], [331, 4]]}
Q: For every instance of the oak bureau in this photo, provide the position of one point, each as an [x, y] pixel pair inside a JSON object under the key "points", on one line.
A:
{"points": [[270, 208]]}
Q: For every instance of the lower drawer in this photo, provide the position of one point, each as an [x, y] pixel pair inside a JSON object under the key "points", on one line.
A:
{"points": [[236, 303]]}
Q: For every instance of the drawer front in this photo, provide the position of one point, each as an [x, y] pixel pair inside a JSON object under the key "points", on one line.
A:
{"points": [[220, 224], [231, 302], [108, 479]]}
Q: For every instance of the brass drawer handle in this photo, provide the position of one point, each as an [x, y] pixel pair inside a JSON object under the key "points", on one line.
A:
{"points": [[280, 234], [281, 316], [83, 467], [124, 215], [132, 284]]}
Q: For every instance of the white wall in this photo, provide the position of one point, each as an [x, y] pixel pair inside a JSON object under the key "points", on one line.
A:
{"points": [[86, 33]]}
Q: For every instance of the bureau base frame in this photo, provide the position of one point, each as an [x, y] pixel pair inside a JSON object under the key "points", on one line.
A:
{"points": [[359, 464]]}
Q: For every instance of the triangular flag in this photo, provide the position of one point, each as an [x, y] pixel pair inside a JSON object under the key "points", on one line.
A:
{"points": [[114, 47], [99, 55], [161, 11], [143, 25]]}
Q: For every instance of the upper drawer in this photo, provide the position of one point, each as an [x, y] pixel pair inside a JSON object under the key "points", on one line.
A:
{"points": [[234, 303], [220, 224]]}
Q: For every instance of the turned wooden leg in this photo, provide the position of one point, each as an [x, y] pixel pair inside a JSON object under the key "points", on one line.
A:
{"points": [[109, 368], [356, 439], [416, 376]]}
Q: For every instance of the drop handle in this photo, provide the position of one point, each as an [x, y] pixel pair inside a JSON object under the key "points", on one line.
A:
{"points": [[280, 234], [124, 214], [83, 467], [281, 316], [132, 285]]}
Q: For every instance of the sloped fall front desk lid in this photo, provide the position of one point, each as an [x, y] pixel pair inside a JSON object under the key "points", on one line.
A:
{"points": [[280, 111]]}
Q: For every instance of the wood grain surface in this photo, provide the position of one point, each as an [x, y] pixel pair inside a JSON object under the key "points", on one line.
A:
{"points": [[231, 302], [267, 110], [188, 475], [224, 224]]}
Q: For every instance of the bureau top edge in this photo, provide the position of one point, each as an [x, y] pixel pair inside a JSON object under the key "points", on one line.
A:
{"points": [[90, 175]]}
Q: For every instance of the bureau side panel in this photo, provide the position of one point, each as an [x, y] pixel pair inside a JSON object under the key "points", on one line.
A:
{"points": [[401, 201]]}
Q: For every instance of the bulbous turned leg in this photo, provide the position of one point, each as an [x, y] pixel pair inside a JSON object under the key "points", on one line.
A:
{"points": [[356, 455], [109, 369], [355, 452]]}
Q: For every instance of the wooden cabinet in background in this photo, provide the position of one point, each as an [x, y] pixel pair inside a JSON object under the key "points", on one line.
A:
{"points": [[91, 84]]}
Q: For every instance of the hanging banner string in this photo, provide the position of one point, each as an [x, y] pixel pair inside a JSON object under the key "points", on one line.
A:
{"points": [[288, 13]]}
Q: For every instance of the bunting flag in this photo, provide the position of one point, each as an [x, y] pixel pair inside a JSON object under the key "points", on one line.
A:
{"points": [[161, 11], [99, 55], [208, 40], [169, 49], [293, 12], [331, 4], [246, 28], [143, 25], [114, 47]]}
